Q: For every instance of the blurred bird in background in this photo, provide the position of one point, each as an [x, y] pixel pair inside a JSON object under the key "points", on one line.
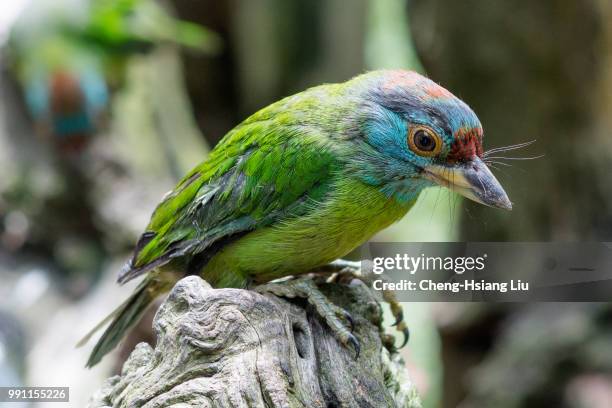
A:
{"points": [[68, 54], [62, 80], [302, 183]]}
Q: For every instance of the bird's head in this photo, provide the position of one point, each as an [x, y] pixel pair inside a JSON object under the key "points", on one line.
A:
{"points": [[415, 134], [68, 105]]}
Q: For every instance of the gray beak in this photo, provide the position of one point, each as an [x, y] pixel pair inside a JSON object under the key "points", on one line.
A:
{"points": [[472, 180]]}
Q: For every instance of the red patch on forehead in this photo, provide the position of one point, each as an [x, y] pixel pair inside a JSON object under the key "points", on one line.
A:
{"points": [[412, 80], [436, 91], [467, 145], [402, 79]]}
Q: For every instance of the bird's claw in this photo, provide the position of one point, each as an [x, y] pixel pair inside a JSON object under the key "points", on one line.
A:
{"points": [[388, 342], [399, 318], [331, 314], [406, 333], [398, 312], [344, 271], [352, 340], [349, 319], [400, 324]]}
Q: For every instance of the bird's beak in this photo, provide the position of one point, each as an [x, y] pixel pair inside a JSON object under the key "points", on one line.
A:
{"points": [[473, 180]]}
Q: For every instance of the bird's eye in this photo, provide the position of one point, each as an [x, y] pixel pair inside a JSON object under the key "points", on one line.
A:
{"points": [[424, 141]]}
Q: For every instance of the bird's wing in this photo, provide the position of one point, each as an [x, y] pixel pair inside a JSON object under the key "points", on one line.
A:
{"points": [[259, 174]]}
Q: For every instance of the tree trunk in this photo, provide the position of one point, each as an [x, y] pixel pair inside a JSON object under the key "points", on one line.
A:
{"points": [[238, 348]]}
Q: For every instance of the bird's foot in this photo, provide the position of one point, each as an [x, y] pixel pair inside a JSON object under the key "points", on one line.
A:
{"points": [[333, 315], [343, 271]]}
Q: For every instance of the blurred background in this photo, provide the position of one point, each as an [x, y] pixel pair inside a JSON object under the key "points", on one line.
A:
{"points": [[104, 104]]}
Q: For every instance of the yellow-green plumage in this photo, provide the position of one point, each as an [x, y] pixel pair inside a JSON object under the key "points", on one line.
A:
{"points": [[330, 231]]}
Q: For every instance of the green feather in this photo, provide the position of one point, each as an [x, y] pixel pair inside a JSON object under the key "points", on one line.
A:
{"points": [[251, 180], [279, 195]]}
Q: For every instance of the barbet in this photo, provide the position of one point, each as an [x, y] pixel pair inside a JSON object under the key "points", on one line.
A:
{"points": [[303, 182], [66, 54]]}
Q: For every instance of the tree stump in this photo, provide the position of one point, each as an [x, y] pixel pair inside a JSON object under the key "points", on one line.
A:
{"points": [[239, 348]]}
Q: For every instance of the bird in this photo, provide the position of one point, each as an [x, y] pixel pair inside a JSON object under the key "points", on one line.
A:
{"points": [[301, 183], [67, 56], [65, 90]]}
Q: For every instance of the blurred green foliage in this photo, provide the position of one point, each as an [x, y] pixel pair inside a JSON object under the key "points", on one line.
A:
{"points": [[142, 23]]}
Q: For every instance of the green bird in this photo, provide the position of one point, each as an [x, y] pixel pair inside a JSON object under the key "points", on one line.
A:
{"points": [[303, 182]]}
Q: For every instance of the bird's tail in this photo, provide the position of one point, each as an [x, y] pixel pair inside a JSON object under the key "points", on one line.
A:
{"points": [[122, 319]]}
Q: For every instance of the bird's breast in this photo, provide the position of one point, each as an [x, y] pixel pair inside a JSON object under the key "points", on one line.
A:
{"points": [[345, 220]]}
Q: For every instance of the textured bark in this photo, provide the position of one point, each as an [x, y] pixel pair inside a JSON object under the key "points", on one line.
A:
{"points": [[238, 348]]}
